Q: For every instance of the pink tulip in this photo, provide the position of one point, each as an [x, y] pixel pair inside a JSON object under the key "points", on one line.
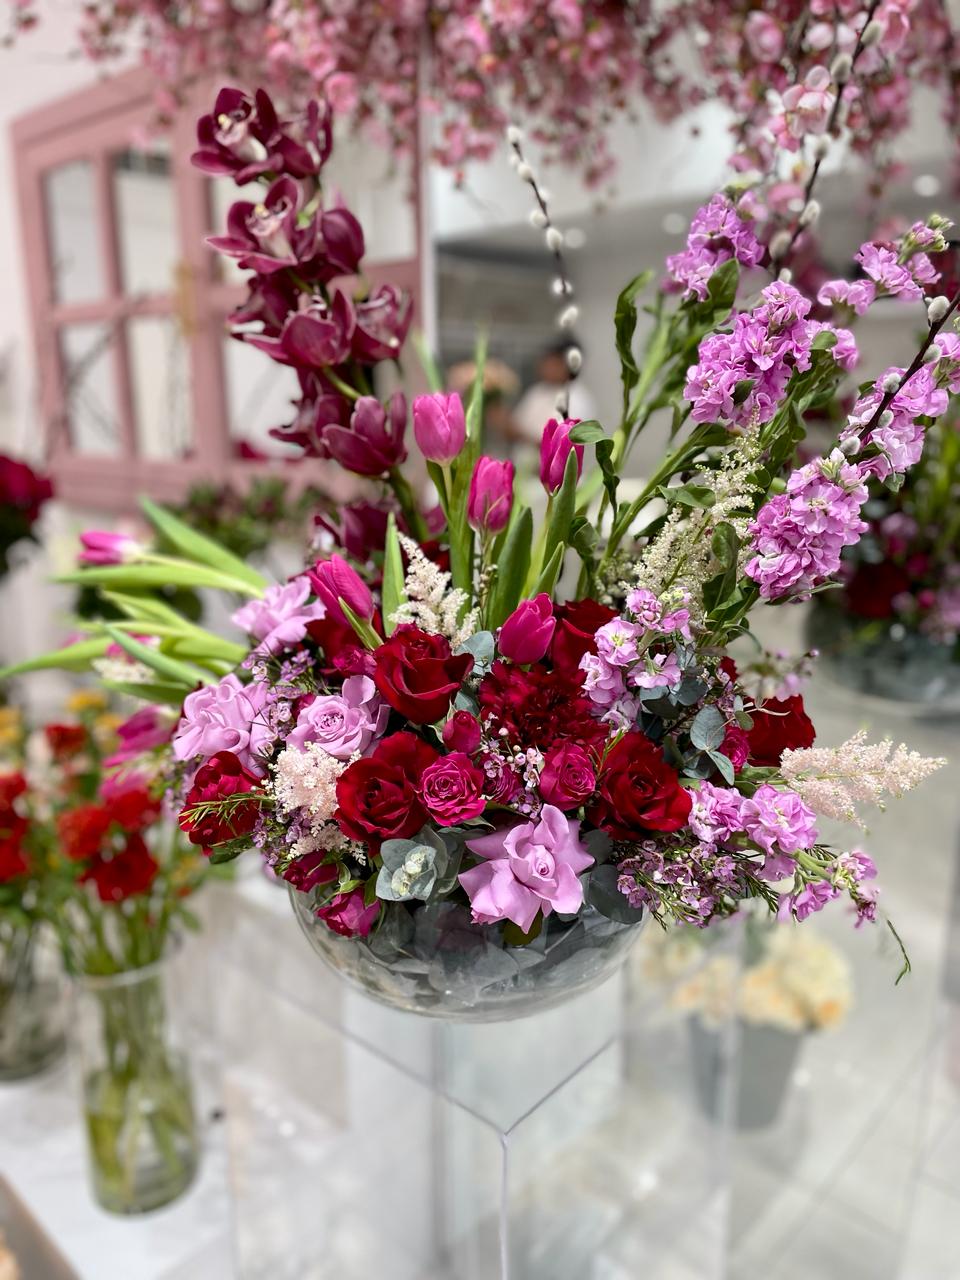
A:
{"points": [[555, 446], [334, 580], [526, 635], [491, 495], [439, 425], [102, 547]]}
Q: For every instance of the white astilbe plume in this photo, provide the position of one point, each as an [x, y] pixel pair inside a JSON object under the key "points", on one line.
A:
{"points": [[833, 780], [431, 604], [307, 780]]}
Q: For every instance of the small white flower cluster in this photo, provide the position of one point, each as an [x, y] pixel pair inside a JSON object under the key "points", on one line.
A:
{"points": [[431, 604], [122, 671], [307, 780], [833, 780]]}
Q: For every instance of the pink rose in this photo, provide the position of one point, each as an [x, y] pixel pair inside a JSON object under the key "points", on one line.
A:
{"points": [[346, 914], [224, 717], [567, 779], [501, 783], [452, 789], [526, 635], [342, 723], [462, 732], [528, 868]]}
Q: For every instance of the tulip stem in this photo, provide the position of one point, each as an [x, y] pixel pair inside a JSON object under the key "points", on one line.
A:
{"points": [[343, 387], [408, 505]]}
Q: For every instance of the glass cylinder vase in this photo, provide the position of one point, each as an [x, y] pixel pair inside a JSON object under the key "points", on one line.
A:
{"points": [[137, 1095], [32, 1016]]}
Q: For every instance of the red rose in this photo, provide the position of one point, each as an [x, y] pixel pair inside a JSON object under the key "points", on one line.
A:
{"points": [[377, 796], [82, 830], [568, 778], [346, 914], [13, 859], [462, 732], [334, 637], [418, 675], [65, 739], [216, 781], [124, 874], [577, 624], [779, 724], [452, 789], [133, 808], [639, 791], [538, 707], [11, 786], [307, 872]]}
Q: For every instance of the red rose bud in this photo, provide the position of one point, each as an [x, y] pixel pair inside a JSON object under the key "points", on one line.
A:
{"points": [[439, 426], [525, 636], [307, 872], [417, 674], [222, 777], [491, 495], [555, 446], [125, 874], [462, 733], [346, 914], [779, 724], [452, 789], [333, 580], [567, 778]]}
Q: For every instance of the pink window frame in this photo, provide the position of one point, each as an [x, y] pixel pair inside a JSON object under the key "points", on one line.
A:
{"points": [[89, 125]]}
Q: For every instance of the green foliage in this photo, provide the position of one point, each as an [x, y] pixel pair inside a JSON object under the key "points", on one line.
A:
{"points": [[394, 594]]}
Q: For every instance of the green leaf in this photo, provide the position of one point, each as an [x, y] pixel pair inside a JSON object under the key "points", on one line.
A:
{"points": [[428, 361], [394, 593], [722, 287], [198, 547], [563, 507], [364, 631], [689, 495], [73, 657], [461, 535], [550, 573], [625, 325], [169, 694], [583, 538], [172, 573], [218, 857], [708, 729], [603, 895], [724, 765], [611, 481], [174, 672], [512, 567], [588, 432], [824, 341], [722, 588]]}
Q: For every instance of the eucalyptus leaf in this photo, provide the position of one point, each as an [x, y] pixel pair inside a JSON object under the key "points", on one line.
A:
{"points": [[724, 765], [708, 729], [483, 646], [603, 895]]}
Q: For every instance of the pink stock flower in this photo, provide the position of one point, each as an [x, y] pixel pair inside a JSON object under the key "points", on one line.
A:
{"points": [[102, 547], [526, 635], [439, 426], [345, 723], [858, 294], [527, 868], [883, 266], [781, 824], [555, 447], [224, 717], [279, 620], [334, 580], [718, 233], [491, 495]]}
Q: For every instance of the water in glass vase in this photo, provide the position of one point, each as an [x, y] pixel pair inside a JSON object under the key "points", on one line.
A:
{"points": [[137, 1094]]}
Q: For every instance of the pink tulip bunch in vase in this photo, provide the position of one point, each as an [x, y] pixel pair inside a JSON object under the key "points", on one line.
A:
{"points": [[481, 749]]}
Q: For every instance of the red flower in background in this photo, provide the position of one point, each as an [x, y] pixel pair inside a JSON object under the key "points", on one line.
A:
{"points": [[220, 778], [13, 859], [418, 675], [123, 874], [577, 624], [539, 707], [22, 489], [872, 589], [82, 831], [128, 802], [639, 791], [377, 796], [779, 724], [11, 786], [65, 740]]}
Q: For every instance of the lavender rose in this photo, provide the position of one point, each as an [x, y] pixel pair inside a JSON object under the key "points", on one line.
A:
{"points": [[345, 723], [530, 867], [279, 620], [224, 717]]}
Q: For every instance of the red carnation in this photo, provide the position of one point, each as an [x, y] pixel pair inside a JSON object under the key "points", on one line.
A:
{"points": [[418, 675], [220, 778], [577, 624], [639, 791], [82, 830], [377, 796], [65, 739], [538, 707], [779, 723], [124, 874]]}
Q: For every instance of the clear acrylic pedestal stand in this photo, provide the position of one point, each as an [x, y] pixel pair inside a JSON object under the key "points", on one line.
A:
{"points": [[367, 1142]]}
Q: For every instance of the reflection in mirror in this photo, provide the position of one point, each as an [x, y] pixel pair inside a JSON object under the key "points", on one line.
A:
{"points": [[73, 233], [259, 393], [159, 372], [89, 389], [146, 220]]}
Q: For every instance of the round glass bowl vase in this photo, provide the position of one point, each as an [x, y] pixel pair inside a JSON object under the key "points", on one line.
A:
{"points": [[435, 961]]}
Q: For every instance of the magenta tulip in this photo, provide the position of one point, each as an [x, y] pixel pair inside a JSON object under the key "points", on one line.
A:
{"points": [[102, 547], [491, 495], [333, 580], [526, 635], [439, 425], [555, 446]]}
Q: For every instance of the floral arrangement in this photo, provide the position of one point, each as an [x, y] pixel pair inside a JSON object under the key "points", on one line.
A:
{"points": [[425, 730], [22, 495], [568, 66], [795, 981]]}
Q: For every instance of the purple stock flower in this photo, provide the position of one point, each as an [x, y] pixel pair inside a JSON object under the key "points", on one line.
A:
{"points": [[373, 442], [718, 233], [814, 896], [895, 443], [279, 620], [555, 446], [527, 868], [439, 426], [883, 266], [716, 814], [857, 294], [224, 717], [490, 499], [344, 723], [781, 824]]}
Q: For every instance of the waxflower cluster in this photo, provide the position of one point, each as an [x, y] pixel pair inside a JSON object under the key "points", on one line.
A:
{"points": [[423, 733]]}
